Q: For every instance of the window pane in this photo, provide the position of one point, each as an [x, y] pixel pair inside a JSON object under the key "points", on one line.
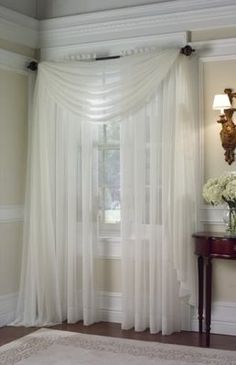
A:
{"points": [[101, 134], [109, 134], [112, 168], [109, 172], [147, 206], [100, 168], [111, 205], [112, 216], [113, 133]]}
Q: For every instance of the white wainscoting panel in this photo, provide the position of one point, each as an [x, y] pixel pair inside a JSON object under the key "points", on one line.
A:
{"points": [[223, 318], [109, 248], [8, 304], [212, 214], [110, 304]]}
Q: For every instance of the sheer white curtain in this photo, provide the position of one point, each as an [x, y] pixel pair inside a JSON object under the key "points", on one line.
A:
{"points": [[159, 192], [58, 279]]}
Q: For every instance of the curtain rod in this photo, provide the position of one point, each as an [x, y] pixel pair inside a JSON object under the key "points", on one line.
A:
{"points": [[187, 51]]}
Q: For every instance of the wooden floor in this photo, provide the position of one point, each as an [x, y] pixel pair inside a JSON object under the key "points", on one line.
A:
{"points": [[8, 334]]}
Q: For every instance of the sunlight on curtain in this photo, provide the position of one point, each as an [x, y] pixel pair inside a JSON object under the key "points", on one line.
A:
{"points": [[151, 96]]}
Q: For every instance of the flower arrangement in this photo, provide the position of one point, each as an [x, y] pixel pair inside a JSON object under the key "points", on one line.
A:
{"points": [[223, 190]]}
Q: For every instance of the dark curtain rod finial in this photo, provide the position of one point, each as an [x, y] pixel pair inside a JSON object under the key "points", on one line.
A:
{"points": [[187, 50], [33, 66]]}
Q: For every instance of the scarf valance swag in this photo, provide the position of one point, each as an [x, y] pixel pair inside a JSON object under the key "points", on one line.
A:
{"points": [[106, 90], [152, 96]]}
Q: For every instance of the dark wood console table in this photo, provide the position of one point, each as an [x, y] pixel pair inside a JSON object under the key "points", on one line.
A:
{"points": [[209, 246]]}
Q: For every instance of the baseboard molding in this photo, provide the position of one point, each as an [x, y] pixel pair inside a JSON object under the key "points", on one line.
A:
{"points": [[110, 304], [110, 307], [223, 319], [223, 314], [7, 308]]}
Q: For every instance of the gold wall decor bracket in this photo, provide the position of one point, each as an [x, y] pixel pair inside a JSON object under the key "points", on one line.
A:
{"points": [[228, 131]]}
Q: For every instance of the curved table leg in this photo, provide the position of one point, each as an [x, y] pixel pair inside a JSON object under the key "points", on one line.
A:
{"points": [[208, 299], [200, 291]]}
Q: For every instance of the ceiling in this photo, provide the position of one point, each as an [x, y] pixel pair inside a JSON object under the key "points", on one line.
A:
{"points": [[45, 9]]}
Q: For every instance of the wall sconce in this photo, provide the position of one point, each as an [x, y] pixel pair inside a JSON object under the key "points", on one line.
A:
{"points": [[223, 103]]}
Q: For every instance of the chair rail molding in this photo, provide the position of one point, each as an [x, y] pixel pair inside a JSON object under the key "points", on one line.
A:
{"points": [[11, 213], [18, 28], [222, 319]]}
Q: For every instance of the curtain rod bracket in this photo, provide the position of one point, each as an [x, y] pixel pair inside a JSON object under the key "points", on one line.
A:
{"points": [[187, 50], [32, 66]]}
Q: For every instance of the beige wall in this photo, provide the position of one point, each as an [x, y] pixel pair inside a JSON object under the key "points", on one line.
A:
{"points": [[213, 34], [14, 47], [13, 137], [109, 275], [217, 76], [13, 146], [13, 143]]}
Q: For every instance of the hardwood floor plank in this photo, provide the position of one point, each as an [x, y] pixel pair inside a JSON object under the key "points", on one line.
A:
{"points": [[225, 342]]}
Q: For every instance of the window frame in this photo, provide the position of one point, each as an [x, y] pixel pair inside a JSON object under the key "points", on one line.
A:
{"points": [[107, 231]]}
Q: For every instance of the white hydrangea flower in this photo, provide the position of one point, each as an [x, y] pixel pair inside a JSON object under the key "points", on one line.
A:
{"points": [[220, 190], [229, 193]]}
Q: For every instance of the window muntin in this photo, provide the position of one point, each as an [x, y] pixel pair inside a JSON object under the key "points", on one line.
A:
{"points": [[109, 173]]}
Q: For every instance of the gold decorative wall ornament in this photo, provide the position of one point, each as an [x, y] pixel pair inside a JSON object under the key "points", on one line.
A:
{"points": [[223, 103]]}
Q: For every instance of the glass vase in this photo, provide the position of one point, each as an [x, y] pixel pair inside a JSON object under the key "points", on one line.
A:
{"points": [[232, 221]]}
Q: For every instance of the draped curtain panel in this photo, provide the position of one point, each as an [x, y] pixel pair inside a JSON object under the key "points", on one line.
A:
{"points": [[151, 96], [159, 160]]}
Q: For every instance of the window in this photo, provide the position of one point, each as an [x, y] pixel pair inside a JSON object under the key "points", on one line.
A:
{"points": [[109, 175]]}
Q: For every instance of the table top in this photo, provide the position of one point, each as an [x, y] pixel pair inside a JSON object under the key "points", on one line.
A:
{"points": [[214, 235]]}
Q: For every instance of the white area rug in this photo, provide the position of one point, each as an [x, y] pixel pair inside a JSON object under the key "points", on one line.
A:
{"points": [[50, 347]]}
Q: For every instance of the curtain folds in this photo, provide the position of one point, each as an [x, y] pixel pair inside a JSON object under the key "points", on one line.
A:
{"points": [[103, 91], [159, 193], [151, 96]]}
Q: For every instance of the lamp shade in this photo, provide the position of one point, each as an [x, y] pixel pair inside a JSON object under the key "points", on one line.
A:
{"points": [[221, 102]]}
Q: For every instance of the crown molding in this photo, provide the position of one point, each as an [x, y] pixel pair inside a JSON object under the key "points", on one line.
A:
{"points": [[13, 62], [161, 18], [216, 50], [114, 47], [116, 25], [18, 28]]}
